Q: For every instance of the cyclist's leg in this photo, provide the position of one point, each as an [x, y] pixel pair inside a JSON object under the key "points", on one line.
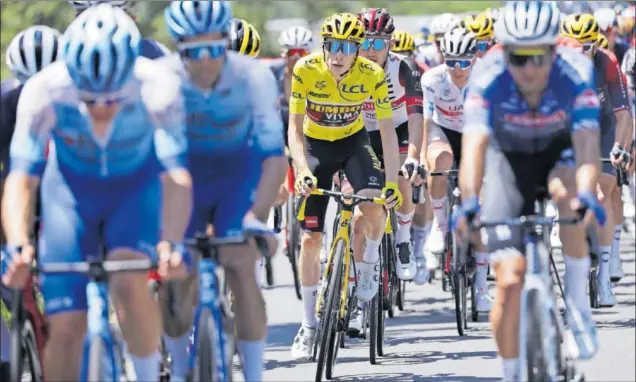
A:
{"points": [[238, 263], [363, 169], [616, 267], [440, 158], [406, 265], [132, 232], [67, 236], [582, 329], [608, 187], [324, 159], [509, 181], [178, 329]]}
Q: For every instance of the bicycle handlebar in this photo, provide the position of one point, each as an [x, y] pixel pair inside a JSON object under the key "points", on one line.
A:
{"points": [[340, 197], [622, 179], [206, 243], [95, 267], [528, 221], [445, 173]]}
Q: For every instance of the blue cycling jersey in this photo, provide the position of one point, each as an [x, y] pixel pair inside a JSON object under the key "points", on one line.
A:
{"points": [[149, 125], [496, 107], [234, 124], [153, 49]]}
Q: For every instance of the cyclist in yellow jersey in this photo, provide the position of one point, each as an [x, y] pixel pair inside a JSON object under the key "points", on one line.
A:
{"points": [[482, 26], [326, 134]]}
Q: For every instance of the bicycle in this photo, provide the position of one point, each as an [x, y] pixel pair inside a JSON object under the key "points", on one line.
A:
{"points": [[541, 336], [292, 247], [458, 262], [334, 303], [100, 343], [213, 346]]}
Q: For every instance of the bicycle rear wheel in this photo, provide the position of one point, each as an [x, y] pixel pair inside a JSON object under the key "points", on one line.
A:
{"points": [[401, 296], [330, 316], [473, 301], [536, 365], [293, 242]]}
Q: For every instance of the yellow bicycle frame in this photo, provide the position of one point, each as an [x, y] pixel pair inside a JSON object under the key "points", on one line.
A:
{"points": [[341, 234]]}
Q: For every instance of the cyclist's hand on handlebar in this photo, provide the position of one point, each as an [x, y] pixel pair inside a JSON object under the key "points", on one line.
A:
{"points": [[306, 182], [589, 201], [173, 261], [391, 192], [253, 226], [619, 156], [413, 172], [465, 214], [16, 265]]}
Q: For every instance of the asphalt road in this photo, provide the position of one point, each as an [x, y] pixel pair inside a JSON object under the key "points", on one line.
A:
{"points": [[422, 343]]}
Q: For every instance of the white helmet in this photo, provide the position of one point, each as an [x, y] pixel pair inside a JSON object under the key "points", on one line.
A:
{"points": [[528, 23], [605, 18], [296, 38], [444, 23], [458, 42], [80, 5], [33, 49]]}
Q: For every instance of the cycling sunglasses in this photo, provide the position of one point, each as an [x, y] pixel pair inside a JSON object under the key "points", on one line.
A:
{"points": [[100, 100], [377, 44], [521, 58], [199, 50], [483, 45], [462, 64], [297, 52], [347, 47]]}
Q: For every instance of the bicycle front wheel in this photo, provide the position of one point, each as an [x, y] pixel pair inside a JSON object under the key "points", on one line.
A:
{"points": [[206, 368], [330, 316], [536, 365], [25, 360], [458, 275], [293, 242]]}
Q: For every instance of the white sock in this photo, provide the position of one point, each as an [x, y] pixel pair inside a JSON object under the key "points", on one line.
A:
{"points": [[5, 342], [371, 252], [439, 211], [310, 295], [481, 277], [403, 234], [178, 349], [576, 275], [147, 368], [419, 237], [258, 271], [511, 369], [615, 251], [603, 266], [252, 353]]}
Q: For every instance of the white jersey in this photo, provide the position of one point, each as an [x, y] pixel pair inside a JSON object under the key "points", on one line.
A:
{"points": [[430, 56], [443, 100], [405, 91]]}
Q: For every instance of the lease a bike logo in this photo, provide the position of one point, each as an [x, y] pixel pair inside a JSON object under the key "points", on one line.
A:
{"points": [[332, 115]]}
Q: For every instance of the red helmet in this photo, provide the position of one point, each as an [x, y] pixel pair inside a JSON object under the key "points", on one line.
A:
{"points": [[377, 21]]}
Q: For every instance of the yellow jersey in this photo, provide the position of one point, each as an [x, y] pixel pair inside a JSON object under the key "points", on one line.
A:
{"points": [[334, 109]]}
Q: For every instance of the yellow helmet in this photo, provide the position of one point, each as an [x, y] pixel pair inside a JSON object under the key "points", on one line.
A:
{"points": [[481, 25], [404, 42], [244, 38], [581, 26], [343, 26], [601, 41]]}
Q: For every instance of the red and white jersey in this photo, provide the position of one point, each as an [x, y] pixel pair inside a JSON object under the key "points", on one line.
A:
{"points": [[402, 75], [443, 100]]}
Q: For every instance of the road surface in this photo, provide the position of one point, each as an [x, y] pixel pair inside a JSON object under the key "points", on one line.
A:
{"points": [[422, 343]]}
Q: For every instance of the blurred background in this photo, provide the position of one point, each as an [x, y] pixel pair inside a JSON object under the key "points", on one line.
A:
{"points": [[270, 17]]}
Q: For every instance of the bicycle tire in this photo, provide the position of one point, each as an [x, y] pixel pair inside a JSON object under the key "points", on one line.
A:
{"points": [[373, 306], [269, 271], [29, 361], [593, 289], [293, 243], [15, 368], [473, 302], [458, 274], [96, 354], [536, 365], [205, 364], [401, 297], [327, 335], [379, 339]]}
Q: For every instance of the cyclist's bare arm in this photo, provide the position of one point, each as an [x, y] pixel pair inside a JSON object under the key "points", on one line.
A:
{"points": [[297, 141], [273, 172], [18, 206], [176, 204], [426, 126], [415, 135], [624, 127], [471, 170], [410, 75], [390, 149], [586, 144]]}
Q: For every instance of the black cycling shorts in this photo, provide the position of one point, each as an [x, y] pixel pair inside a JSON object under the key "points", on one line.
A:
{"points": [[354, 156], [454, 139], [510, 186], [402, 132]]}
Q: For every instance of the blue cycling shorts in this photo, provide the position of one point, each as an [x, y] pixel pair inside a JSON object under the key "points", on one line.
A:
{"points": [[222, 201], [72, 209]]}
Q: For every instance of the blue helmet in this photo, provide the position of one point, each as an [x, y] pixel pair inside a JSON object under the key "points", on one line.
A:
{"points": [[101, 47], [194, 18]]}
